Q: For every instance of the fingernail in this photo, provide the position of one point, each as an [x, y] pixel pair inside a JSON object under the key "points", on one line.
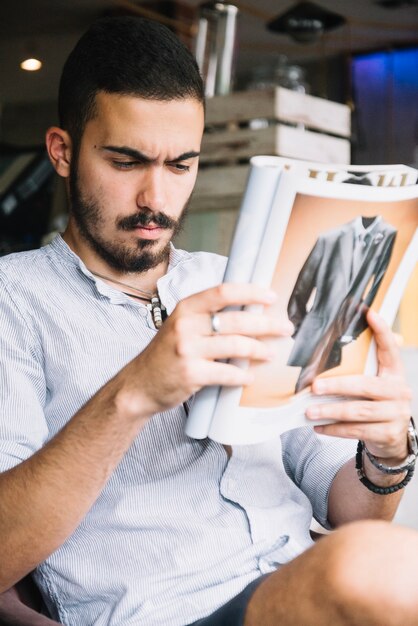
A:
{"points": [[271, 296], [319, 429], [269, 355], [319, 387], [312, 412], [248, 379], [288, 327]]}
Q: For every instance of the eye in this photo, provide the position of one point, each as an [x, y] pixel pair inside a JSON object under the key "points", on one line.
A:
{"points": [[180, 167], [124, 165]]}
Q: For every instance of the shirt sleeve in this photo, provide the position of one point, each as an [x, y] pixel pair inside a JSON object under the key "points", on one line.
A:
{"points": [[312, 461], [23, 428]]}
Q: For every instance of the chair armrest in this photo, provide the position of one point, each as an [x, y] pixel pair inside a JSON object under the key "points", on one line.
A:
{"points": [[14, 609]]}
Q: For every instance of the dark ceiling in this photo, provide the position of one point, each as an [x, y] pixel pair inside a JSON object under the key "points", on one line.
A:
{"points": [[49, 28]]}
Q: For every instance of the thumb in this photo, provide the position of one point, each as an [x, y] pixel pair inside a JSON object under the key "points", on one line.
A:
{"points": [[388, 355]]}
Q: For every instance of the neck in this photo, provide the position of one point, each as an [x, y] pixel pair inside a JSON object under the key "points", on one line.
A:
{"points": [[144, 281], [368, 221]]}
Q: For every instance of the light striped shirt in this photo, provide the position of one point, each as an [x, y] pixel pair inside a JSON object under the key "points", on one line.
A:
{"points": [[179, 528]]}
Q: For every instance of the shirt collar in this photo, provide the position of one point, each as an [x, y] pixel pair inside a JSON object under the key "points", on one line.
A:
{"points": [[66, 255], [359, 229]]}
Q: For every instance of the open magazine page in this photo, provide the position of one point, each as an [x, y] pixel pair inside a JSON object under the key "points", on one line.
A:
{"points": [[325, 280], [249, 231]]}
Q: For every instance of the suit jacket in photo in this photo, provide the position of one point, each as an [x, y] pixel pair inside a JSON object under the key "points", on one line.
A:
{"points": [[341, 275]]}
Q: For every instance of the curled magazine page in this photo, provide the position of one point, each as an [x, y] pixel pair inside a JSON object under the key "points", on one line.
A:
{"points": [[260, 190], [331, 250]]}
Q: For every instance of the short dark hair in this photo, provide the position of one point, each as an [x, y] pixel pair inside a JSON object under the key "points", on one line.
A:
{"points": [[127, 56]]}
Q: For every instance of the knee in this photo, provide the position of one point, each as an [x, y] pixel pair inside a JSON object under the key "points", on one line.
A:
{"points": [[370, 569]]}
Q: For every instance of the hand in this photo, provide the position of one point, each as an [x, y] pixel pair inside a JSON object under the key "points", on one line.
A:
{"points": [[379, 410], [183, 356]]}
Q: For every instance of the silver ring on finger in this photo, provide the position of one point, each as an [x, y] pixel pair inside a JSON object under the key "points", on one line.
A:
{"points": [[215, 323]]}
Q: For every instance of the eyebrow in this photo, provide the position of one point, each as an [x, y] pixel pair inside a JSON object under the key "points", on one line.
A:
{"points": [[139, 156]]}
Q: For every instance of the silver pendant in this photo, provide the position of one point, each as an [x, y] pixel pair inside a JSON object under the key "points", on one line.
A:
{"points": [[156, 311]]}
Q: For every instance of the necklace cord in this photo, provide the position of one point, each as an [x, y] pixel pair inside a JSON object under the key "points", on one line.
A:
{"points": [[158, 310], [148, 294]]}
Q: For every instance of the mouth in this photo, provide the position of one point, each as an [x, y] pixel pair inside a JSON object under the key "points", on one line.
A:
{"points": [[149, 232]]}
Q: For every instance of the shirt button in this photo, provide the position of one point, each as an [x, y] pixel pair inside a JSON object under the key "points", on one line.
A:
{"points": [[143, 312]]}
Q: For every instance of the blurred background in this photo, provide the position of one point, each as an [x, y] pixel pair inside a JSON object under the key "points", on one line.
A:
{"points": [[361, 53], [333, 80]]}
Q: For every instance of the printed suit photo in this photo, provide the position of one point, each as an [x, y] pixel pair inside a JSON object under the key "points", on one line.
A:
{"points": [[333, 291]]}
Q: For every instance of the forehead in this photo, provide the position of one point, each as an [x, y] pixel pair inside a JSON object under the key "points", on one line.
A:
{"points": [[129, 119]]}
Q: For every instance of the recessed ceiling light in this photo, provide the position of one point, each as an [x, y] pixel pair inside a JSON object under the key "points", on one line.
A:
{"points": [[31, 65], [305, 22]]}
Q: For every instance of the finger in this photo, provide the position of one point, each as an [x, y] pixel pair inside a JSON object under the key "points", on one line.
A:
{"points": [[388, 355], [360, 411], [227, 374], [228, 294], [183, 327], [248, 323], [233, 347], [362, 386], [379, 432]]}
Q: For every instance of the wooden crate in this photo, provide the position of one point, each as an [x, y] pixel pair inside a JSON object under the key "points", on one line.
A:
{"points": [[283, 105], [276, 121], [299, 126], [279, 139]]}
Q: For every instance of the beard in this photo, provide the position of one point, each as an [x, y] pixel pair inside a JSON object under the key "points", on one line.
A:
{"points": [[87, 215]]}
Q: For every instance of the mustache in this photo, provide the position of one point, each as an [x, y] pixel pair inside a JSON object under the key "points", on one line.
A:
{"points": [[145, 219]]}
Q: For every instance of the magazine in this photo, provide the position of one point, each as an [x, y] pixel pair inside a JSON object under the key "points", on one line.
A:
{"points": [[332, 241]]}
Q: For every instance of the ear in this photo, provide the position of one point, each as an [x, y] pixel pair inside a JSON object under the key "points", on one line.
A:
{"points": [[59, 147]]}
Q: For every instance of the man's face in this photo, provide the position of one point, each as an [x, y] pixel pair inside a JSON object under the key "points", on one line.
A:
{"points": [[133, 177]]}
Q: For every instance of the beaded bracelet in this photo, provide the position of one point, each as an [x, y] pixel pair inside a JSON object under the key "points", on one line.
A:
{"points": [[382, 491]]}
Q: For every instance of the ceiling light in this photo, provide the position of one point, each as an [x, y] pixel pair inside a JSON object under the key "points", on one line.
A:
{"points": [[31, 65], [305, 22]]}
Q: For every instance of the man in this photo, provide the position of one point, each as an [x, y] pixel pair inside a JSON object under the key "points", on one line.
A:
{"points": [[344, 270], [126, 520]]}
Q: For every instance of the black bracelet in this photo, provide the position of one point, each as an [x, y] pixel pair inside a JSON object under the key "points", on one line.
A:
{"points": [[382, 491]]}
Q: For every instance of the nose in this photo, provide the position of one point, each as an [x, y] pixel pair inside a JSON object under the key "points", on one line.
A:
{"points": [[151, 193]]}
